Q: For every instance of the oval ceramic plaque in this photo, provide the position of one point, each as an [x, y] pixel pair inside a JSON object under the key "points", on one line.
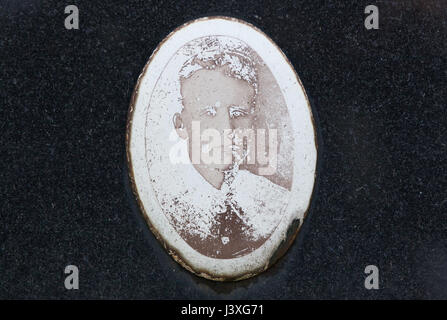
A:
{"points": [[221, 148]]}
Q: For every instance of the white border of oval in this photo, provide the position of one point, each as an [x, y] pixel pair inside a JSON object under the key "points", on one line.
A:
{"points": [[304, 137]]}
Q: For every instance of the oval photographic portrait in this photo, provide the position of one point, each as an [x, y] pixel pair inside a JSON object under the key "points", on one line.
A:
{"points": [[221, 148]]}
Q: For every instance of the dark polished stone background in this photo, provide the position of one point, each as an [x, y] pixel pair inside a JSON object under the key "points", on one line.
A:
{"points": [[380, 99]]}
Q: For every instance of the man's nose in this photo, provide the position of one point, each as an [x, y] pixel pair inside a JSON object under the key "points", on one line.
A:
{"points": [[223, 120]]}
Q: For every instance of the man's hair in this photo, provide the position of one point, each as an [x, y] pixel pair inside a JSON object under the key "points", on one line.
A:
{"points": [[235, 57]]}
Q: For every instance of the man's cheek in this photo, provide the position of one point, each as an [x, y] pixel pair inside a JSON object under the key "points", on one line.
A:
{"points": [[243, 123]]}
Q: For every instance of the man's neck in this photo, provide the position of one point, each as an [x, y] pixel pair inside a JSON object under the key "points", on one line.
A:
{"points": [[212, 176]]}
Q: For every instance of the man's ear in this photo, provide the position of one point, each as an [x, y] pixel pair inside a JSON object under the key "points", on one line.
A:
{"points": [[179, 126]]}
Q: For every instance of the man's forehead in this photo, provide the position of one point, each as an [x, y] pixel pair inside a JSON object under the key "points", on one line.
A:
{"points": [[207, 84]]}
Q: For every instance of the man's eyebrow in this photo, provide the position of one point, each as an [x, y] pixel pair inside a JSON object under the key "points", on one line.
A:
{"points": [[239, 107], [207, 107]]}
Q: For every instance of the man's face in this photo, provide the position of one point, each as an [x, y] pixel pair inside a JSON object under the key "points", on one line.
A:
{"points": [[219, 102]]}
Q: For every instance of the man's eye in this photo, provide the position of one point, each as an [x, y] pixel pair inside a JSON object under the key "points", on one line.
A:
{"points": [[236, 112], [209, 111]]}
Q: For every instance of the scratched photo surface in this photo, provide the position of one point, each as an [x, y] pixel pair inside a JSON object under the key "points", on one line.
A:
{"points": [[219, 147]]}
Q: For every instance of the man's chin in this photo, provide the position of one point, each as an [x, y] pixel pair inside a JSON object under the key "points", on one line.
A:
{"points": [[222, 169]]}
